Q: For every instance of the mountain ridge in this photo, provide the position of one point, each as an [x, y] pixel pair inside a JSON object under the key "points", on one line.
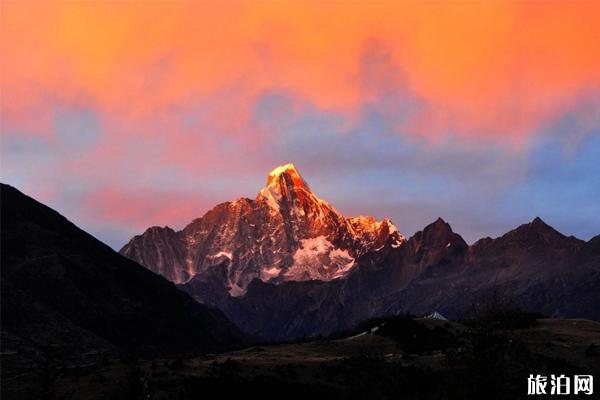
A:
{"points": [[397, 281], [332, 271]]}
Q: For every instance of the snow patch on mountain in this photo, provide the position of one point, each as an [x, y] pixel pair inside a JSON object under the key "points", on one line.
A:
{"points": [[281, 169], [317, 258]]}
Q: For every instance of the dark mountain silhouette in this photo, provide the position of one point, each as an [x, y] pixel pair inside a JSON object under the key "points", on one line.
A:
{"points": [[64, 294]]}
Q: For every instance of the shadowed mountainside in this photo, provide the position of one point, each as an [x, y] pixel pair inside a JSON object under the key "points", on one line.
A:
{"points": [[65, 293]]}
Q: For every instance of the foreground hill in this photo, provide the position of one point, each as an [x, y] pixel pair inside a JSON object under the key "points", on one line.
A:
{"points": [[397, 358], [66, 295]]}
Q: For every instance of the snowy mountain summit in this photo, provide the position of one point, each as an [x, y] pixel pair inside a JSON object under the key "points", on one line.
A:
{"points": [[285, 234]]}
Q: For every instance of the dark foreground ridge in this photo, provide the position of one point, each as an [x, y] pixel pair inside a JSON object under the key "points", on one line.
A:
{"points": [[80, 321], [398, 357], [67, 296]]}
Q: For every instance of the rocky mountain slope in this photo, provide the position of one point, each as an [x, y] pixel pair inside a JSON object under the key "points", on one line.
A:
{"points": [[285, 234]]}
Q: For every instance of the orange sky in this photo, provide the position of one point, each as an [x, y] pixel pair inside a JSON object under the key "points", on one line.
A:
{"points": [[127, 114], [475, 66]]}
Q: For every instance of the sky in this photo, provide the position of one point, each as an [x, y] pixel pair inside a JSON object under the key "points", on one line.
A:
{"points": [[125, 115]]}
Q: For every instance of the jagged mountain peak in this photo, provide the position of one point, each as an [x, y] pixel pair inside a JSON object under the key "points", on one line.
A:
{"points": [[439, 233], [540, 227], [440, 221], [286, 233], [538, 220], [286, 170], [439, 225], [285, 179], [536, 226], [540, 224], [532, 238], [286, 188]]}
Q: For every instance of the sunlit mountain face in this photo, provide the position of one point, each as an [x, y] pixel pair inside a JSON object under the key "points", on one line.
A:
{"points": [[285, 234]]}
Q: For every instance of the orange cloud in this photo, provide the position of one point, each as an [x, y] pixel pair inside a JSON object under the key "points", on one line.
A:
{"points": [[480, 69], [141, 208]]}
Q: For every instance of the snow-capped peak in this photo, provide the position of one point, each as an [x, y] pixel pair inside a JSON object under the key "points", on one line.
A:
{"points": [[284, 183], [288, 170], [281, 169], [286, 233]]}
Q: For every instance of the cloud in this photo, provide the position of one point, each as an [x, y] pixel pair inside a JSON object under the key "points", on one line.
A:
{"points": [[494, 70], [127, 183], [125, 115]]}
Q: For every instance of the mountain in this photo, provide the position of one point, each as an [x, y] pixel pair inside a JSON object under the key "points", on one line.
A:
{"points": [[285, 234], [288, 265], [534, 267], [435, 270], [67, 295]]}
